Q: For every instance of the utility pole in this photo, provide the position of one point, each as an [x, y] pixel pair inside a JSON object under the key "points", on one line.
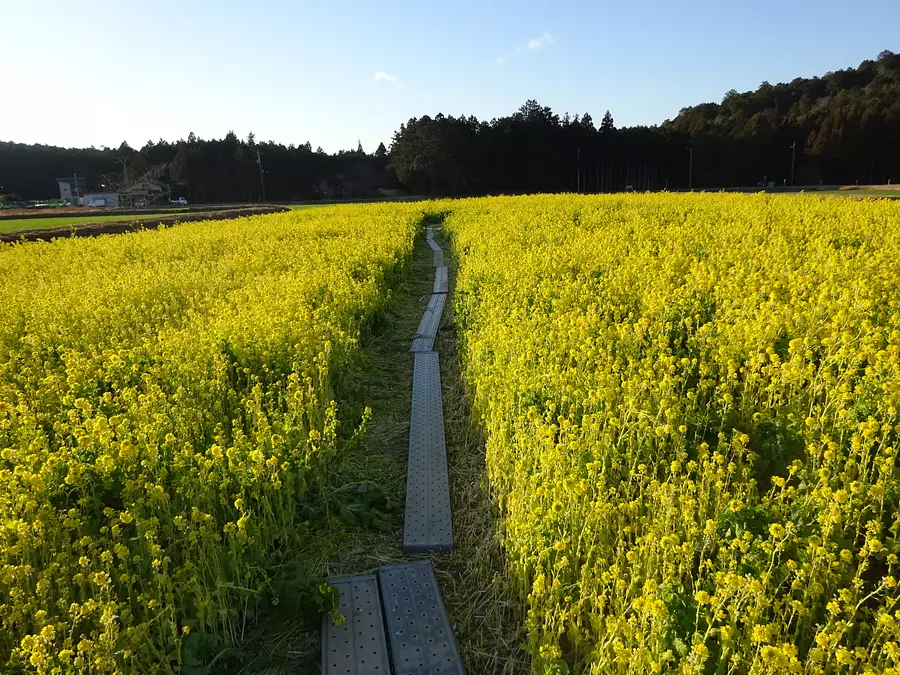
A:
{"points": [[793, 160], [76, 191], [691, 169], [124, 162], [578, 171], [262, 181]]}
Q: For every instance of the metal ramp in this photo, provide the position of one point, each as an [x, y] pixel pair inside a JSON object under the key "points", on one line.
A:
{"points": [[428, 326], [422, 640], [441, 279], [358, 645], [427, 522]]}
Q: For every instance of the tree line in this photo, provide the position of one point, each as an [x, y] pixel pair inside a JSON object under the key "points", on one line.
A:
{"points": [[215, 170], [841, 128]]}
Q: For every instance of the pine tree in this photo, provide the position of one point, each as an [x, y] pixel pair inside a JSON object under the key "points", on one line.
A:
{"points": [[607, 123]]}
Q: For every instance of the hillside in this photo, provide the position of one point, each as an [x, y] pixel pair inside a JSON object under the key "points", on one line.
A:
{"points": [[846, 124]]}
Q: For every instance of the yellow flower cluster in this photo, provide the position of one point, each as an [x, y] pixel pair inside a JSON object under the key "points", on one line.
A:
{"points": [[691, 411], [165, 402]]}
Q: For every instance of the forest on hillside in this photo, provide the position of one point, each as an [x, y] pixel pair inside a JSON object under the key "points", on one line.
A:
{"points": [[840, 128], [846, 127]]}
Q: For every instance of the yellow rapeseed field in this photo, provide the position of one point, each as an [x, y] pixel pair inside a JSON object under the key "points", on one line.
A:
{"points": [[691, 411], [165, 402]]}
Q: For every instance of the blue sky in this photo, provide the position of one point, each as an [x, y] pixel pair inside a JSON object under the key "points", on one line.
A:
{"points": [[334, 71]]}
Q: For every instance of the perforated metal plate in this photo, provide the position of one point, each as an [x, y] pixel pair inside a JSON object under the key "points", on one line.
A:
{"points": [[438, 253], [440, 279], [428, 326], [422, 640], [358, 645], [427, 523]]}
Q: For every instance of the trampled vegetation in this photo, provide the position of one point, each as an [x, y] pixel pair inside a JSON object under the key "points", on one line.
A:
{"points": [[166, 404], [691, 412]]}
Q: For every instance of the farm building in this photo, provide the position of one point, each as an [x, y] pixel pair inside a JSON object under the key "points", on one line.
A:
{"points": [[144, 193], [71, 189]]}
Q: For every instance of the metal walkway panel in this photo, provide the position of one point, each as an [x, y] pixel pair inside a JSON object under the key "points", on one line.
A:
{"points": [[441, 279], [427, 523], [428, 326], [358, 646], [422, 640], [438, 253]]}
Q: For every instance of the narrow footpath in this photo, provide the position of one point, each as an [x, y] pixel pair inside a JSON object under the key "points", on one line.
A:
{"points": [[424, 573], [395, 621]]}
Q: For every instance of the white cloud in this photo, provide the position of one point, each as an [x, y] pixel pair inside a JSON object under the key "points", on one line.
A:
{"points": [[539, 43], [535, 45], [382, 76]]}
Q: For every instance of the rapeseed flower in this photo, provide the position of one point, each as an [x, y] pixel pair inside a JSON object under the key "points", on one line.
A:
{"points": [[165, 404], [724, 372]]}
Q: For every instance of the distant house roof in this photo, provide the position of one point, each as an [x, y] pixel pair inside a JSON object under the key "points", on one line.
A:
{"points": [[144, 186]]}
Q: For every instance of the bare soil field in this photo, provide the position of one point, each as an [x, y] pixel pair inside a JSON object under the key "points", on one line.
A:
{"points": [[130, 225], [76, 211]]}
